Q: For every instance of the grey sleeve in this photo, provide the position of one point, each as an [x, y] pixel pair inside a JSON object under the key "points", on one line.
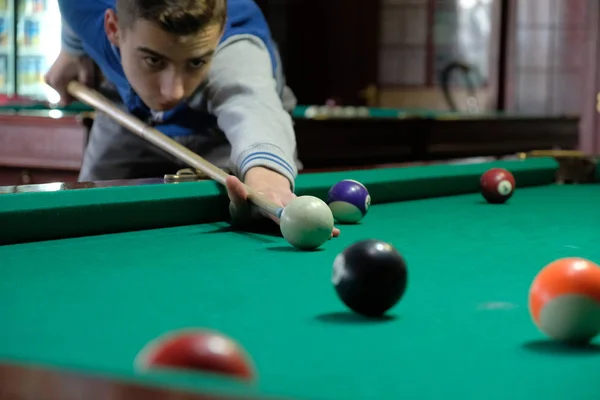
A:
{"points": [[246, 98], [69, 41]]}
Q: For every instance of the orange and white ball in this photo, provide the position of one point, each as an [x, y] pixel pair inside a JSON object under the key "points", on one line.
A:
{"points": [[564, 300]]}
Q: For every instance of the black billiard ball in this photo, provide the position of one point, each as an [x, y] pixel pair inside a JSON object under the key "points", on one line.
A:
{"points": [[370, 277], [497, 185]]}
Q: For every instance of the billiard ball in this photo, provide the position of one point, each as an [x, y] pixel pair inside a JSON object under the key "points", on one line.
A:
{"points": [[370, 277], [497, 185], [310, 112], [564, 300], [306, 222], [349, 201], [196, 350]]}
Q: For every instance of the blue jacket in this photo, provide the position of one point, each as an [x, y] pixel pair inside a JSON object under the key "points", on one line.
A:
{"points": [[86, 20]]}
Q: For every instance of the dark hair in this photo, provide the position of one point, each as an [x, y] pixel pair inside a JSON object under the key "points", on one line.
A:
{"points": [[179, 17]]}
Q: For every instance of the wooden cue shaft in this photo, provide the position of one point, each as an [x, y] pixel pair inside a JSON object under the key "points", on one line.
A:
{"points": [[98, 101]]}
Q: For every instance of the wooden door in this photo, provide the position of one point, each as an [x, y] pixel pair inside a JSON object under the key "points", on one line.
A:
{"points": [[590, 107]]}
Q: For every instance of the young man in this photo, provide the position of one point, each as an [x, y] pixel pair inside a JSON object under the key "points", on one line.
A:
{"points": [[204, 72]]}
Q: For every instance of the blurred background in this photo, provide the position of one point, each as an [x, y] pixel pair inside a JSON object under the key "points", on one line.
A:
{"points": [[28, 47], [378, 82]]}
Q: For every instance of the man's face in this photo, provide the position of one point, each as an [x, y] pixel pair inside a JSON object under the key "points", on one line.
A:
{"points": [[163, 69]]}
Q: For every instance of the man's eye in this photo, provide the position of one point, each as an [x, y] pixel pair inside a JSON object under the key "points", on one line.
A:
{"points": [[152, 61], [196, 64]]}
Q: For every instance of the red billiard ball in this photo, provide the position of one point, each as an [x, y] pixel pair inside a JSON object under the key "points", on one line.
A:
{"points": [[196, 350], [497, 185], [564, 300]]}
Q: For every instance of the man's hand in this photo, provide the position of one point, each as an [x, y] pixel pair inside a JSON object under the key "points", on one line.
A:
{"points": [[272, 185], [67, 68]]}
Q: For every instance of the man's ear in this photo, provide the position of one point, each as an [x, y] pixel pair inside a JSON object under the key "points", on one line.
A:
{"points": [[111, 27]]}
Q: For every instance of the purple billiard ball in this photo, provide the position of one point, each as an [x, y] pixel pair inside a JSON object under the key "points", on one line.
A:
{"points": [[349, 201]]}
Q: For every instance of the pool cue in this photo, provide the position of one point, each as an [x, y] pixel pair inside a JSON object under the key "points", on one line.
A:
{"points": [[99, 102]]}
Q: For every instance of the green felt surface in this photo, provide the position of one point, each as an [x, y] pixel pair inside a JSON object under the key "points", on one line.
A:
{"points": [[461, 331], [42, 109], [55, 213]]}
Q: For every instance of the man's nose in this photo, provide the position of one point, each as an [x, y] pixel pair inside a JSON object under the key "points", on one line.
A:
{"points": [[172, 89]]}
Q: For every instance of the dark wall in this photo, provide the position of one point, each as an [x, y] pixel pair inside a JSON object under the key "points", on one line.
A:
{"points": [[275, 12], [329, 48]]}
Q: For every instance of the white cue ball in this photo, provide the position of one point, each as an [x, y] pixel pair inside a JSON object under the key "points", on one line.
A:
{"points": [[306, 223]]}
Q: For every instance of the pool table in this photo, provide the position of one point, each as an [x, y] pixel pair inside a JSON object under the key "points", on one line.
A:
{"points": [[39, 144], [89, 276], [361, 135]]}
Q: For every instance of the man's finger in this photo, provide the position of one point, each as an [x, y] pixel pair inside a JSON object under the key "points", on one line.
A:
{"points": [[238, 205], [86, 76], [235, 190], [258, 212], [65, 98]]}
